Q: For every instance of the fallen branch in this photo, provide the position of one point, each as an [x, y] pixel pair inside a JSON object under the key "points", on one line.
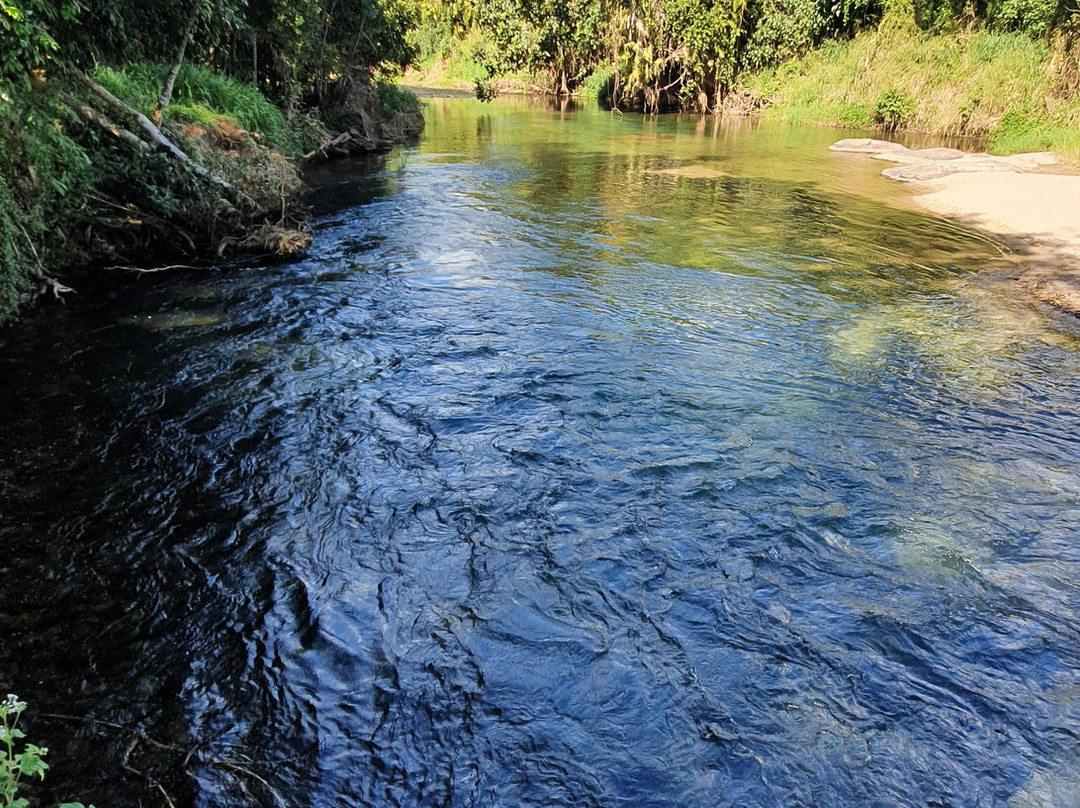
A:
{"points": [[142, 271], [228, 765], [95, 117], [330, 143], [138, 735]]}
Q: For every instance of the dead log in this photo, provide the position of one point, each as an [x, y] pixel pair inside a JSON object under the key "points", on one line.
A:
{"points": [[329, 143], [95, 117]]}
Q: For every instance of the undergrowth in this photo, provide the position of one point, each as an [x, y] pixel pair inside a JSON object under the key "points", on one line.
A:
{"points": [[393, 98], [19, 761], [45, 177]]}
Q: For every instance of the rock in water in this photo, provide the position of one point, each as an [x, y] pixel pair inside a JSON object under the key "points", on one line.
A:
{"points": [[866, 145]]}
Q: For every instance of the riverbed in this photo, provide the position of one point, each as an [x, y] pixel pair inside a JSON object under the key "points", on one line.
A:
{"points": [[586, 460]]}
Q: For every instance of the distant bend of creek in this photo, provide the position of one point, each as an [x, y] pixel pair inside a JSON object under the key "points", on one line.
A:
{"points": [[586, 460]]}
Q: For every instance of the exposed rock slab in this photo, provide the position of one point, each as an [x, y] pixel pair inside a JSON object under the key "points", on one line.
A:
{"points": [[866, 145], [925, 170], [904, 155]]}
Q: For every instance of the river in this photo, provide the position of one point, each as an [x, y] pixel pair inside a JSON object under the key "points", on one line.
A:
{"points": [[586, 460]]}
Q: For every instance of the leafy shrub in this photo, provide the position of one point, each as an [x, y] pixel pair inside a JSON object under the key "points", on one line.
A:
{"points": [[854, 116], [44, 179], [393, 98], [1031, 17], [893, 109], [25, 43], [598, 83], [16, 765], [486, 90]]}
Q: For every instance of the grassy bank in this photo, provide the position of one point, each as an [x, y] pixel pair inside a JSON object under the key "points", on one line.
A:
{"points": [[1019, 93], [83, 182]]}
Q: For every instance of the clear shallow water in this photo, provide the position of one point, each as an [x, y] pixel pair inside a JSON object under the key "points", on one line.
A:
{"points": [[585, 461]]}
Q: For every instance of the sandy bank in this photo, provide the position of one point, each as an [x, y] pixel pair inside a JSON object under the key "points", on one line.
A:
{"points": [[1028, 199]]}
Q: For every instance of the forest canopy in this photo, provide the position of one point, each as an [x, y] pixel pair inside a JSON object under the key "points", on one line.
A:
{"points": [[291, 49]]}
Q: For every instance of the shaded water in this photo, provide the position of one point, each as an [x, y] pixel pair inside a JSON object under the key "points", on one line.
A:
{"points": [[586, 460]]}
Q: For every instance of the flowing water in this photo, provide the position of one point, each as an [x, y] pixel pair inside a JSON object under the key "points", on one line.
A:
{"points": [[585, 461]]}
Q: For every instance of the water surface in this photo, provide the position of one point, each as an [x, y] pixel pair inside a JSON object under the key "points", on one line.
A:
{"points": [[587, 460]]}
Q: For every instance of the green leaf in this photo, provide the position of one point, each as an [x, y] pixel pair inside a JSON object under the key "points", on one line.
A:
{"points": [[31, 764]]}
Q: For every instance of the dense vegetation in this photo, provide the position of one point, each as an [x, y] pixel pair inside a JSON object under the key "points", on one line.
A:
{"points": [[1019, 91], [138, 129], [666, 54]]}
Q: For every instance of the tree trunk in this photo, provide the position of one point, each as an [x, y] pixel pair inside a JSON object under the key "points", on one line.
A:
{"points": [[177, 63]]}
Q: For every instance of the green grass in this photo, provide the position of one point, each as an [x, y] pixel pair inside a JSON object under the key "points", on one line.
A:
{"points": [[241, 102], [1007, 87], [200, 96]]}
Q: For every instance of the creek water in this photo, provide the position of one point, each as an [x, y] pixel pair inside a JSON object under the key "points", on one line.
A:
{"points": [[586, 460]]}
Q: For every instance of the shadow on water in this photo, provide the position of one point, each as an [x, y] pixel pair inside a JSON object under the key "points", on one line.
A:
{"points": [[585, 460]]}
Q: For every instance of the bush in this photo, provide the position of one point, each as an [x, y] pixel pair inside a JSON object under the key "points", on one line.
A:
{"points": [[486, 90], [598, 83], [893, 109], [44, 180], [1032, 17], [393, 98]]}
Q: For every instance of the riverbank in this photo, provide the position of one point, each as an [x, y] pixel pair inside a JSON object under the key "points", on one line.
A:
{"points": [[1007, 92], [97, 172], [1031, 200]]}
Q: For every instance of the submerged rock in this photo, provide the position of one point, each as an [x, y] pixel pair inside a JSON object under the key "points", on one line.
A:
{"points": [[696, 171]]}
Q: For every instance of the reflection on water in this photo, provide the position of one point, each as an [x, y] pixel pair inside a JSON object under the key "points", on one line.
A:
{"points": [[587, 460]]}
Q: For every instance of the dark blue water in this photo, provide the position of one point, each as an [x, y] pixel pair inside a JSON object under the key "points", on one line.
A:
{"points": [[586, 461]]}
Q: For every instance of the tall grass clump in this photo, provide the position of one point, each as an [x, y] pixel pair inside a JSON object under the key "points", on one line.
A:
{"points": [[242, 102], [200, 96]]}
